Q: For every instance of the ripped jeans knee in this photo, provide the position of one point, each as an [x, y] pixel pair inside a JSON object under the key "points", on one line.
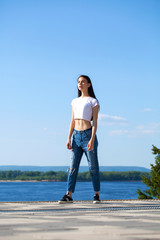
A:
{"points": [[93, 171], [71, 170]]}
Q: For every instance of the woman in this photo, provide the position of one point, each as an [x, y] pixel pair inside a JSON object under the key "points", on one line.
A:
{"points": [[84, 110]]}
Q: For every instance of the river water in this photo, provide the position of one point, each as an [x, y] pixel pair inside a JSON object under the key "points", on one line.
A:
{"points": [[53, 191]]}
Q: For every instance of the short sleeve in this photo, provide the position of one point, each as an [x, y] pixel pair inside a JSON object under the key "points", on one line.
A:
{"points": [[94, 102], [72, 102]]}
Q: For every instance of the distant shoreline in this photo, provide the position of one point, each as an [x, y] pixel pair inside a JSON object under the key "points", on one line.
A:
{"points": [[52, 176]]}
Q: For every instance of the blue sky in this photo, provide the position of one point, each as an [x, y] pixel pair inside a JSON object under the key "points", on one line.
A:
{"points": [[46, 45]]}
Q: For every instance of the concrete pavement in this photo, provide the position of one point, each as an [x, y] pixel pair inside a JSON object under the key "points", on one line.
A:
{"points": [[111, 220]]}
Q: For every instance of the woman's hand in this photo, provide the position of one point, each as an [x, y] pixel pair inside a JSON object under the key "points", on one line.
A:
{"points": [[69, 144], [90, 145]]}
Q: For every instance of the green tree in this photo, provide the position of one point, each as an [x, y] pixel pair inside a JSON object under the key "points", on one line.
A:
{"points": [[153, 181]]}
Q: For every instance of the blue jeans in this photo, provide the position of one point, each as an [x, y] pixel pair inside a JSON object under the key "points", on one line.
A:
{"points": [[79, 145]]}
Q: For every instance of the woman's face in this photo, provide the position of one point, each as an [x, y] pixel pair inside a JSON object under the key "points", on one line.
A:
{"points": [[83, 84]]}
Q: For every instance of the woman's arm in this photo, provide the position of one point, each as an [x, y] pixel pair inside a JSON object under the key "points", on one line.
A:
{"points": [[94, 128], [72, 124]]}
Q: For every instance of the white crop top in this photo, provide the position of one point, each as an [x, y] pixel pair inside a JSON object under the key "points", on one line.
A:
{"points": [[82, 107]]}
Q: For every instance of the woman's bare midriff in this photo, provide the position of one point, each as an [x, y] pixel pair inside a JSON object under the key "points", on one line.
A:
{"points": [[81, 124]]}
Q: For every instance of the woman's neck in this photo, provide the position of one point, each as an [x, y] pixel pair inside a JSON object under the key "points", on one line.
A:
{"points": [[84, 94]]}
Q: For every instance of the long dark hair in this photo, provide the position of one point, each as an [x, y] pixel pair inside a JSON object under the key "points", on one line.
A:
{"points": [[90, 89]]}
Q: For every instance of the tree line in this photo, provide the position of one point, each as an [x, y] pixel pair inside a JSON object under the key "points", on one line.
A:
{"points": [[62, 176]]}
